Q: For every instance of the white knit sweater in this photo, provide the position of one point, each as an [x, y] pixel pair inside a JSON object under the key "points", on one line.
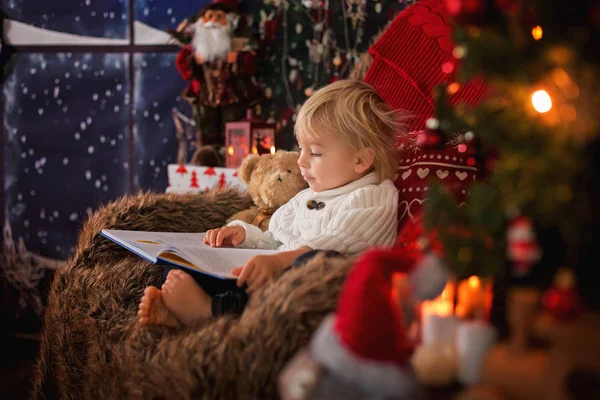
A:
{"points": [[359, 215]]}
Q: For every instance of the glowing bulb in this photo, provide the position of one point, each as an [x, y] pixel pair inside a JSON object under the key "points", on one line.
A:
{"points": [[230, 150], [272, 149], [537, 32], [541, 101]]}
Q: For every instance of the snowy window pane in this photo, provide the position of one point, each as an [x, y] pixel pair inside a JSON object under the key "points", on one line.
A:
{"points": [[153, 17], [54, 18], [154, 101], [54, 158]]}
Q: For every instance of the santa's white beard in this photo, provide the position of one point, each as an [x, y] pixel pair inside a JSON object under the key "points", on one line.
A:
{"points": [[211, 41]]}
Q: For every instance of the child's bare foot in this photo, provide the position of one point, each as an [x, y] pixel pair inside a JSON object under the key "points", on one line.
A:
{"points": [[188, 302], [152, 310]]}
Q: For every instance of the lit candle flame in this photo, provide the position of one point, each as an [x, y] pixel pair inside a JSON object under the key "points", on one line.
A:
{"points": [[230, 150], [474, 282], [254, 150], [272, 149], [541, 101]]}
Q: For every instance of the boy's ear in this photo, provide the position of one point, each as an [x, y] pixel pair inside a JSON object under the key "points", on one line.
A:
{"points": [[247, 167], [364, 160]]}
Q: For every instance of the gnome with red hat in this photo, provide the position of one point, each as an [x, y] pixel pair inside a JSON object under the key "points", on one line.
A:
{"points": [[362, 350], [220, 66]]}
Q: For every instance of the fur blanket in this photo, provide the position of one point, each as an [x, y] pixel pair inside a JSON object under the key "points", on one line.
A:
{"points": [[93, 347]]}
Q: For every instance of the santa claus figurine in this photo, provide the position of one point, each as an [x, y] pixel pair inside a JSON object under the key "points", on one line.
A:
{"points": [[220, 68]]}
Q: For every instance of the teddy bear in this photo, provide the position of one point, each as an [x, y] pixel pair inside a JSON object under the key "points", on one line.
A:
{"points": [[272, 180]]}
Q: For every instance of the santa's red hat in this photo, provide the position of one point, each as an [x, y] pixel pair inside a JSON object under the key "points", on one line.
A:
{"points": [[364, 342], [232, 5]]}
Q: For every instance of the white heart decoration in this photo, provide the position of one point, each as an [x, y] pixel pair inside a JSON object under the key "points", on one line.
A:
{"points": [[406, 174], [423, 172], [442, 174], [461, 175]]}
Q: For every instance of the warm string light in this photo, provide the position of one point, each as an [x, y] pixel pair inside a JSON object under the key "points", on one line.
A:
{"points": [[541, 101], [537, 32], [230, 150], [272, 149]]}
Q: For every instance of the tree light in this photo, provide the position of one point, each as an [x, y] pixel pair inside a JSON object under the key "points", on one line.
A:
{"points": [[537, 32], [541, 101]]}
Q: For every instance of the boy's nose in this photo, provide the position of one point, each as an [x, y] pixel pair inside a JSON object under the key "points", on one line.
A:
{"points": [[302, 163]]}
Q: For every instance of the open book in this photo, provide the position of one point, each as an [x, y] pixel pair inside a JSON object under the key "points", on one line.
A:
{"points": [[186, 250]]}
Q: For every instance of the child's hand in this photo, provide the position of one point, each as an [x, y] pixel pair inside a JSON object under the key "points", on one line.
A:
{"points": [[257, 271], [227, 235]]}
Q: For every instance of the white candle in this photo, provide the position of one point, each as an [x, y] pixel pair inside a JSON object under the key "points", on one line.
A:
{"points": [[473, 340], [438, 323]]}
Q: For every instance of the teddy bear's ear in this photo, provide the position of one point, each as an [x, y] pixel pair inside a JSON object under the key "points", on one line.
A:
{"points": [[247, 167]]}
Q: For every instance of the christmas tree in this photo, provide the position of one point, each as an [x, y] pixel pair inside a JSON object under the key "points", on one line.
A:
{"points": [[534, 141]]}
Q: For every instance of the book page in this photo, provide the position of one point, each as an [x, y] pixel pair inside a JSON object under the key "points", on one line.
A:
{"points": [[217, 261], [150, 244]]}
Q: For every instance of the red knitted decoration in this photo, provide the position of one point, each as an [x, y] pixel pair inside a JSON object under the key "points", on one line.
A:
{"points": [[408, 59]]}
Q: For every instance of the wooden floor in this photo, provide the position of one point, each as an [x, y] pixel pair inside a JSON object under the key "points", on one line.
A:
{"points": [[16, 365]]}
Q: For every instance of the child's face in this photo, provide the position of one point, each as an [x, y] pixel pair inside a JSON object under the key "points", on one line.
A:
{"points": [[327, 163]]}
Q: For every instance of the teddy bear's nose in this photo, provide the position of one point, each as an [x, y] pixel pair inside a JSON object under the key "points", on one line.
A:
{"points": [[279, 179]]}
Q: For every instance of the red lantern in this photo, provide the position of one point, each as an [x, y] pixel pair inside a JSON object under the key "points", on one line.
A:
{"points": [[248, 136]]}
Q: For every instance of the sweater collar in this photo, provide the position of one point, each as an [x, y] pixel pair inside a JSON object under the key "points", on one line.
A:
{"points": [[369, 179]]}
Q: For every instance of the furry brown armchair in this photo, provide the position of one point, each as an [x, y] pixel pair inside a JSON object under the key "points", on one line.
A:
{"points": [[93, 347]]}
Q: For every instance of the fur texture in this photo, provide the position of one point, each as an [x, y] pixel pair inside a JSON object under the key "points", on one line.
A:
{"points": [[272, 180], [92, 346]]}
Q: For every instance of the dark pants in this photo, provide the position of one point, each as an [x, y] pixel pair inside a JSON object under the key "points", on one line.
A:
{"points": [[226, 296]]}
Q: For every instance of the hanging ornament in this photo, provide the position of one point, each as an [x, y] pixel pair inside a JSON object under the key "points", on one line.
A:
{"points": [[356, 11], [337, 60], [268, 92], [523, 249], [270, 29], [314, 51], [312, 4], [562, 300]]}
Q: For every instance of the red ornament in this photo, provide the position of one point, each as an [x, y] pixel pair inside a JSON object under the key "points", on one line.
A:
{"points": [[562, 301], [270, 29], [522, 246], [562, 304], [462, 9]]}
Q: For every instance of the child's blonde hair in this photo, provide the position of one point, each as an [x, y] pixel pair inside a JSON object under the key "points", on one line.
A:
{"points": [[353, 110]]}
